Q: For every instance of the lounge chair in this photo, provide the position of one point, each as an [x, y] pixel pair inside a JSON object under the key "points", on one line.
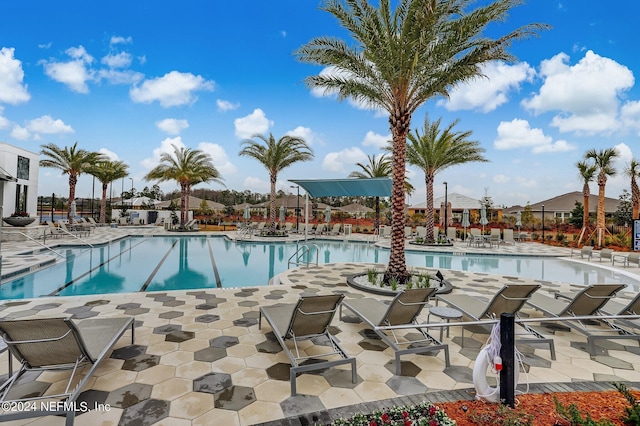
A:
{"points": [[626, 258], [421, 232], [49, 344], [320, 229], [587, 302], [509, 299], [602, 254], [123, 221], [308, 319], [613, 307], [451, 234], [507, 236], [385, 231], [403, 310], [56, 232], [494, 237], [408, 232], [192, 225], [336, 229], [585, 251], [288, 227], [76, 231]]}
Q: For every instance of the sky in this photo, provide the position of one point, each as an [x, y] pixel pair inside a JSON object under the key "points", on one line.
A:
{"points": [[132, 79]]}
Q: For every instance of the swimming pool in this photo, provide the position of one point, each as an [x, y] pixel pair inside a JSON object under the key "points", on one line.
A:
{"points": [[172, 263]]}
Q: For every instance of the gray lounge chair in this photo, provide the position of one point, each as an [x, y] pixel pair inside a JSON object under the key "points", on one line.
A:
{"points": [[45, 344], [587, 302], [509, 299], [403, 310], [308, 319], [603, 254], [613, 307], [626, 258], [585, 251]]}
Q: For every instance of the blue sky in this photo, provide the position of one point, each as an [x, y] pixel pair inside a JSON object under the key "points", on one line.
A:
{"points": [[132, 78]]}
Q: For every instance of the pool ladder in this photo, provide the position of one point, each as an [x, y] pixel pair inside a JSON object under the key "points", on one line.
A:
{"points": [[302, 256], [244, 233]]}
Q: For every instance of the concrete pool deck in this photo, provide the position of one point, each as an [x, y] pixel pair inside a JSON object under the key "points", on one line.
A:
{"points": [[199, 357]]}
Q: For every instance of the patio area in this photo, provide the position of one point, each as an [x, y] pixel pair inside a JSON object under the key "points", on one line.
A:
{"points": [[200, 359]]}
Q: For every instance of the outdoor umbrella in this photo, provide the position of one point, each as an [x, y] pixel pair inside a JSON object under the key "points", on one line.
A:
{"points": [[281, 213], [327, 214], [519, 220], [465, 221], [247, 213], [441, 215], [265, 214], [483, 216], [73, 212]]}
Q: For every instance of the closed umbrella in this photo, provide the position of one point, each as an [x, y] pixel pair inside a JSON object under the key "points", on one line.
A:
{"points": [[441, 218], [519, 220], [281, 213], [327, 214], [483, 216], [465, 221], [265, 214], [73, 212], [247, 213]]}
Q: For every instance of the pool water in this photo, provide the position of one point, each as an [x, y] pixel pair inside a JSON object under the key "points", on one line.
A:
{"points": [[172, 263]]}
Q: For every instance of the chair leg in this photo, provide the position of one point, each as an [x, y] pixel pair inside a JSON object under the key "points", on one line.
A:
{"points": [[292, 379]]}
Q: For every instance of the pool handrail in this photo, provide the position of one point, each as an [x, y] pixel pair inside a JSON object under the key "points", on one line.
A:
{"points": [[302, 250]]}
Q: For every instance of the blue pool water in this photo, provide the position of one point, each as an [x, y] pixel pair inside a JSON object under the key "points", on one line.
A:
{"points": [[171, 263]]}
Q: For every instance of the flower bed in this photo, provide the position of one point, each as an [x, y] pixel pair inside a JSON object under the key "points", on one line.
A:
{"points": [[424, 414]]}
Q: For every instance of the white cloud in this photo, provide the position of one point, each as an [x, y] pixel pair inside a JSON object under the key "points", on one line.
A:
{"points": [[12, 89], [120, 40], [630, 115], [255, 184], [488, 93], [117, 60], [109, 154], [45, 45], [304, 133], [501, 179], [376, 140], [586, 94], [4, 122], [226, 105], [172, 89], [48, 125], [526, 182], [341, 161], [254, 123], [172, 126], [519, 134], [20, 133], [165, 146], [74, 73], [120, 77], [219, 158]]}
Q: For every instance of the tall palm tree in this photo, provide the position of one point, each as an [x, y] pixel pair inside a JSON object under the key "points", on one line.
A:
{"points": [[374, 169], [587, 173], [275, 156], [435, 150], [603, 161], [106, 172], [633, 171], [188, 167], [71, 161], [403, 58]]}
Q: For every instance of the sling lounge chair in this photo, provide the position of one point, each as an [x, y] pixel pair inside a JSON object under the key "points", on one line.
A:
{"points": [[403, 310], [587, 302], [46, 344], [307, 319], [613, 307], [509, 299]]}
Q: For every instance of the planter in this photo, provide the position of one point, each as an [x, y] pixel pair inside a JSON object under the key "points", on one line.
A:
{"points": [[18, 220]]}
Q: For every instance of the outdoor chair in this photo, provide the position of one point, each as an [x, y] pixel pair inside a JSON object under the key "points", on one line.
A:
{"points": [[403, 310], [288, 227], [320, 229], [55, 232], [76, 230], [51, 344], [585, 251], [123, 221], [507, 236], [309, 318], [408, 232], [494, 237], [587, 302], [613, 307], [421, 232], [451, 234], [336, 229], [626, 258], [603, 254], [385, 231], [509, 299]]}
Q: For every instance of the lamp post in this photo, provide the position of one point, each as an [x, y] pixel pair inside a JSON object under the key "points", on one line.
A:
{"points": [[122, 195], [446, 208], [93, 195], [297, 207], [131, 192], [543, 224], [53, 203]]}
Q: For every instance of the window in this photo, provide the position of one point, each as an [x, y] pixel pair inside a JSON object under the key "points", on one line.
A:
{"points": [[23, 167]]}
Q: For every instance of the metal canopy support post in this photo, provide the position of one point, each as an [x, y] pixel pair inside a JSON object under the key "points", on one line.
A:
{"points": [[306, 215], [507, 353]]}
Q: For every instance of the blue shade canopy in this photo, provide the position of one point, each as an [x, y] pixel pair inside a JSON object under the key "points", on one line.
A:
{"points": [[374, 187]]}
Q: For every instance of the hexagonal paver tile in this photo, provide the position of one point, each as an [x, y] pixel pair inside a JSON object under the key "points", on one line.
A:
{"points": [[129, 395], [209, 354], [279, 371], [173, 303], [170, 315], [408, 368], [145, 413], [406, 385], [136, 311], [223, 342], [248, 303], [126, 306], [127, 352], [206, 306], [179, 336], [45, 306], [98, 302], [212, 383], [234, 398], [93, 397], [339, 378], [141, 362], [207, 318], [295, 405], [167, 328]]}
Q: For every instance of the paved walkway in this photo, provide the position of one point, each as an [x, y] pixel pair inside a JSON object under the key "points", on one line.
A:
{"points": [[200, 359]]}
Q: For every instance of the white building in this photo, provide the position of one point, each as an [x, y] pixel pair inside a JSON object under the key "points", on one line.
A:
{"points": [[18, 180]]}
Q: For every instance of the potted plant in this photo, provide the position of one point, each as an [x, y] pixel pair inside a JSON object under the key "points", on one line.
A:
{"points": [[19, 219]]}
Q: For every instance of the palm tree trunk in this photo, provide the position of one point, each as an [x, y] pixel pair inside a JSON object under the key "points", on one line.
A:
{"points": [[272, 205], [376, 219], [635, 198], [103, 204], [585, 216], [428, 180], [73, 180], [600, 226], [397, 267], [183, 204]]}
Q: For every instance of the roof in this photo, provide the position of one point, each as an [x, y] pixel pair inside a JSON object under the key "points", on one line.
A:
{"points": [[4, 176], [458, 202], [194, 203], [356, 208], [373, 187], [567, 202]]}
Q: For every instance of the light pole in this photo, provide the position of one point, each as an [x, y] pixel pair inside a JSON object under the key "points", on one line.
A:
{"points": [[131, 192], [543, 224], [297, 207], [93, 195], [446, 209], [122, 195]]}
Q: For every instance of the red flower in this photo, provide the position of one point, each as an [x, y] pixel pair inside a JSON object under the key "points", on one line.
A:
{"points": [[408, 423], [385, 418], [434, 423], [432, 410], [373, 423], [405, 415]]}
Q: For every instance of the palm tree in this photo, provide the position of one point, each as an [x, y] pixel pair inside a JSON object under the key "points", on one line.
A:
{"points": [[275, 156], [603, 161], [375, 169], [633, 171], [435, 150], [403, 58], [188, 167], [587, 173], [106, 172], [71, 161]]}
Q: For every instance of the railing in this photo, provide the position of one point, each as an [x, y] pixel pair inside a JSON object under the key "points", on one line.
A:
{"points": [[76, 237], [244, 232], [28, 237], [302, 256]]}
